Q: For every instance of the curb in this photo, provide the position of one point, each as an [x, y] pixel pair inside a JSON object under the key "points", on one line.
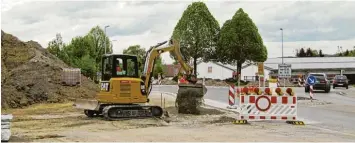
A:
{"points": [[208, 102]]}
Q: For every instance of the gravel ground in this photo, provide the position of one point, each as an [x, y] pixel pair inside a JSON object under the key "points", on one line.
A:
{"points": [[212, 125]]}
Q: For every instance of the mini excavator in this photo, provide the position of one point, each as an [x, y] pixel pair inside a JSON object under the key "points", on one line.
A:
{"points": [[123, 93]]}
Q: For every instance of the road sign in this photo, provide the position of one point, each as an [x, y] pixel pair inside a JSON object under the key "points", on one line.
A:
{"points": [[284, 71], [311, 80]]}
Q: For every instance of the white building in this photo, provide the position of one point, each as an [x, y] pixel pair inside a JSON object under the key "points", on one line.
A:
{"points": [[216, 70], [250, 71]]}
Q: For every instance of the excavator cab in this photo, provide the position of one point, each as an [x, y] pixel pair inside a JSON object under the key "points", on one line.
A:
{"points": [[119, 66]]}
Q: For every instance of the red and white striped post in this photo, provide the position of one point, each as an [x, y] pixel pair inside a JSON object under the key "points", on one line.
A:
{"points": [[311, 92], [231, 97]]}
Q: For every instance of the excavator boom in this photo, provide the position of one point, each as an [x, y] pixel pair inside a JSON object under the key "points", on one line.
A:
{"points": [[154, 52]]}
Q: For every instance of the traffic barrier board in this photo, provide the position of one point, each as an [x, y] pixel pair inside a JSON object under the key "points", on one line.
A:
{"points": [[268, 106]]}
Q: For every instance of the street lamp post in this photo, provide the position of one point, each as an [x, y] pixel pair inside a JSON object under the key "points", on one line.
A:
{"points": [[105, 36], [282, 56], [282, 45]]}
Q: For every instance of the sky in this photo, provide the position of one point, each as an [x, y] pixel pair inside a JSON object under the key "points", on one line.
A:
{"points": [[321, 25]]}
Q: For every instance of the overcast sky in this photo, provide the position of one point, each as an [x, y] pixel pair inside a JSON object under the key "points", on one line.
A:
{"points": [[320, 25]]}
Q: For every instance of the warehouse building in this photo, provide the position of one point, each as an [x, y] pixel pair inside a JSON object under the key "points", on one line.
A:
{"points": [[329, 65]]}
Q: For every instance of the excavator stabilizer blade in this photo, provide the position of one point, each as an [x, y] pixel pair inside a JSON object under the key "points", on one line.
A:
{"points": [[86, 104]]}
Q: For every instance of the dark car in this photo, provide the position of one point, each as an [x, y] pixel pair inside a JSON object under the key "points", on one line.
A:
{"points": [[340, 81], [322, 82]]}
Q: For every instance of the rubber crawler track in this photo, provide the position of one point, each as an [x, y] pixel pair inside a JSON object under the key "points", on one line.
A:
{"points": [[110, 112]]}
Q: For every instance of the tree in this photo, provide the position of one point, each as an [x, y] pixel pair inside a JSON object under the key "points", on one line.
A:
{"points": [[309, 52], [240, 41], [98, 41], [347, 53], [302, 53], [321, 53], [86, 66], [197, 31], [158, 67], [315, 53], [137, 51], [80, 46], [56, 45]]}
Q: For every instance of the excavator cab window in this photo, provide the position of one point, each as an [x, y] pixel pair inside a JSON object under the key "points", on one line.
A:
{"points": [[119, 66]]}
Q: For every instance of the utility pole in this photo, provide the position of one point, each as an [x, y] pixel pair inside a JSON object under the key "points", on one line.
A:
{"points": [[105, 36]]}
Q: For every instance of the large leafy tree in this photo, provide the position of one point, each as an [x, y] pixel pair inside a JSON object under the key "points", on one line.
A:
{"points": [[240, 41], [197, 31], [98, 42]]}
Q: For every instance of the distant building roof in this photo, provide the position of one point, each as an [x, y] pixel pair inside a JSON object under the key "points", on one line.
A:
{"points": [[313, 62]]}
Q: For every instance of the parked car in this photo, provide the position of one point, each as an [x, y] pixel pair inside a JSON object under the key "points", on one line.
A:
{"points": [[322, 82], [340, 81]]}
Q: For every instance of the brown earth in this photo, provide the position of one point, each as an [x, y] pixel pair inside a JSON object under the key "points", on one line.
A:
{"points": [[30, 74]]}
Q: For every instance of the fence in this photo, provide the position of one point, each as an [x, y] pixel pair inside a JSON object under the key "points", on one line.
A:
{"points": [[5, 127], [71, 76]]}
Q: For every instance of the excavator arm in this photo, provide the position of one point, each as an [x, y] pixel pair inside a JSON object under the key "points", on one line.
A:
{"points": [[154, 52]]}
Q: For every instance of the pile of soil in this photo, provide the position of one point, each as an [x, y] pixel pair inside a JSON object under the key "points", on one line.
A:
{"points": [[30, 74]]}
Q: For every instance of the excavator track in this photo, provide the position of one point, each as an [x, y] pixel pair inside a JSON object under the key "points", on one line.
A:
{"points": [[124, 112]]}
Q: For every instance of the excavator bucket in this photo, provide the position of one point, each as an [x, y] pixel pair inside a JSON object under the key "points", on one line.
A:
{"points": [[190, 97], [90, 104]]}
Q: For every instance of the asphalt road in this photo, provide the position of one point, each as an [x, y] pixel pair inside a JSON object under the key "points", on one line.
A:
{"points": [[313, 115]]}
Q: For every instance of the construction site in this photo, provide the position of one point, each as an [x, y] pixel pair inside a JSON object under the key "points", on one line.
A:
{"points": [[45, 110]]}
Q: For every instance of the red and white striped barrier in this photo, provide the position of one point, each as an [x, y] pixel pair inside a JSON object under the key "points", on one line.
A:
{"points": [[266, 105], [263, 107], [311, 92], [231, 95]]}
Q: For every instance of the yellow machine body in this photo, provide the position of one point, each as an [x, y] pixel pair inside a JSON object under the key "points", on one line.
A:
{"points": [[122, 91]]}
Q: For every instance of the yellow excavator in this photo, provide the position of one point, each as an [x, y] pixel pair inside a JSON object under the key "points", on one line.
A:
{"points": [[124, 93]]}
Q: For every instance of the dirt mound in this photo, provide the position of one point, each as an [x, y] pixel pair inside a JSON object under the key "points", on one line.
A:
{"points": [[30, 74]]}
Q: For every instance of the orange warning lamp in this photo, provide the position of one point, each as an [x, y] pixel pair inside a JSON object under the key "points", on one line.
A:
{"points": [[279, 91], [245, 91], [290, 92], [257, 91], [268, 91]]}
